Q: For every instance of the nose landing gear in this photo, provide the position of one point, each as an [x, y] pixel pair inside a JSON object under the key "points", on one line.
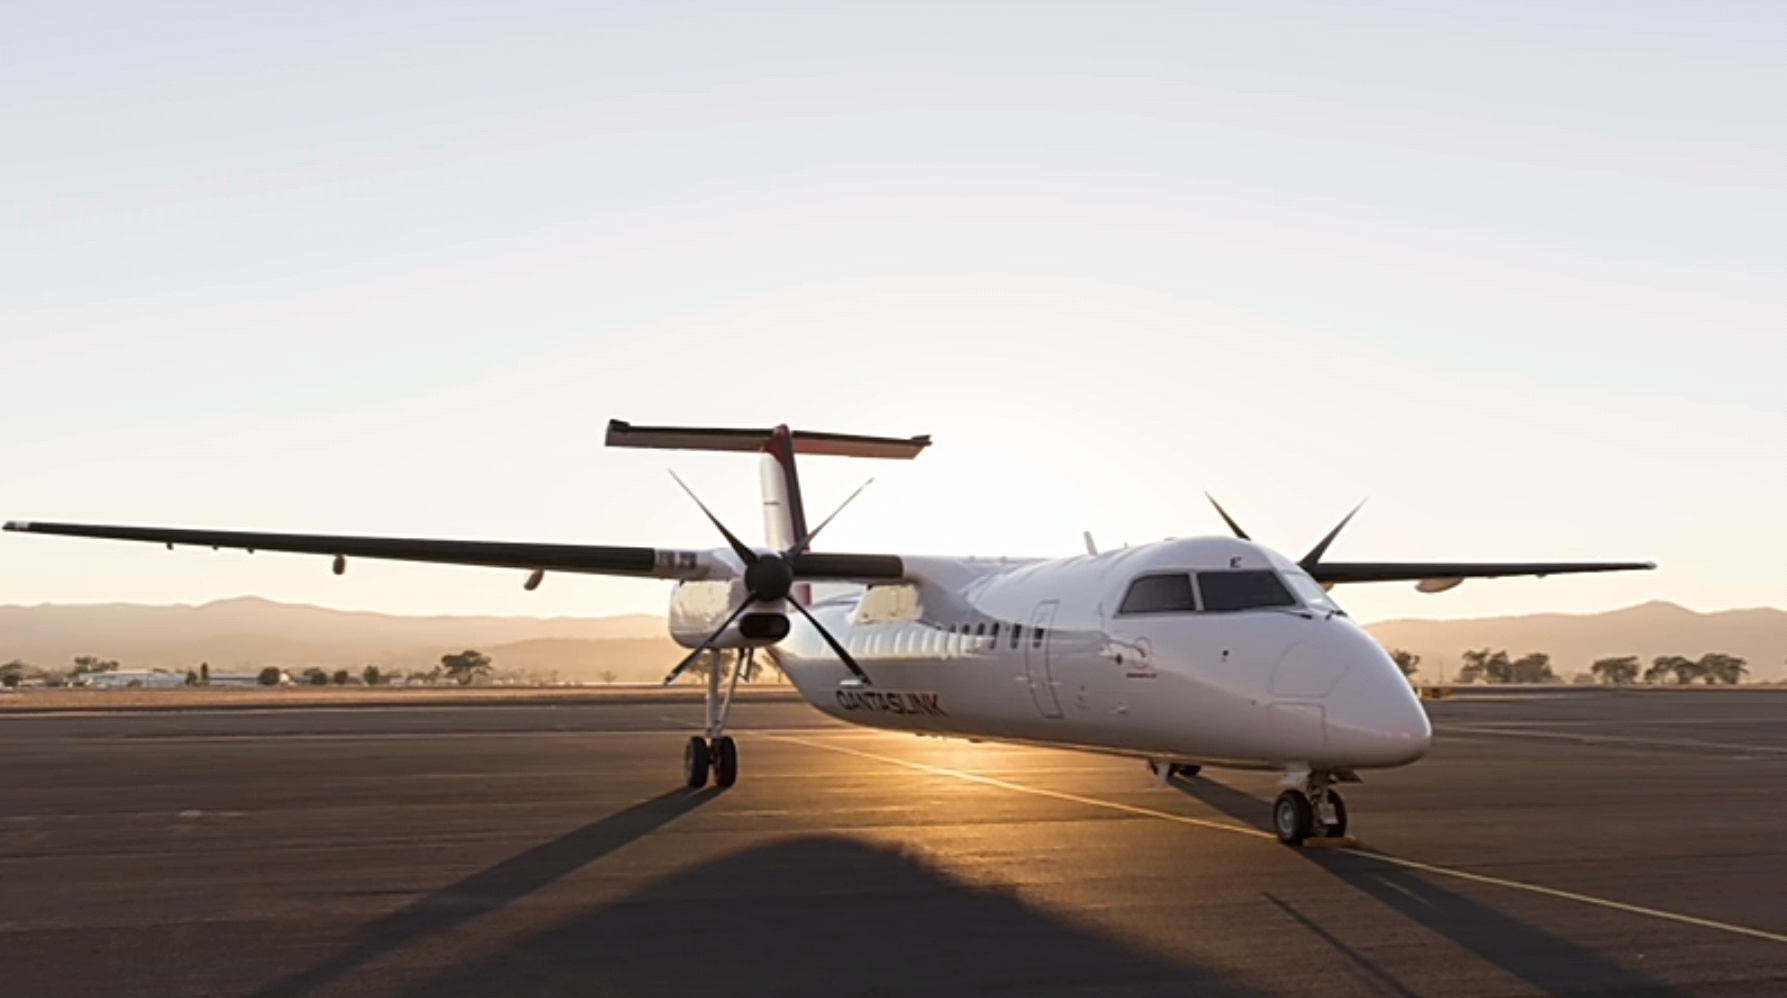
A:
{"points": [[1313, 811], [717, 752]]}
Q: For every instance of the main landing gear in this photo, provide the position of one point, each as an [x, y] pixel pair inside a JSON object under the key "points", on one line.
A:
{"points": [[1164, 771], [1313, 811], [716, 752], [719, 756]]}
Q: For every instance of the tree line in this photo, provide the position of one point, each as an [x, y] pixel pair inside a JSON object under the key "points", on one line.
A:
{"points": [[1497, 667], [1711, 669], [462, 668], [18, 670]]}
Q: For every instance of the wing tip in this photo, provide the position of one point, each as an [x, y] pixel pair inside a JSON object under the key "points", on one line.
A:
{"points": [[19, 525]]}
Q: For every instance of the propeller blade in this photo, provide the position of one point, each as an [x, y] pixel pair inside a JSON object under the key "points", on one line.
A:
{"points": [[837, 649], [1226, 518], [807, 541], [1314, 556], [683, 666], [749, 556]]}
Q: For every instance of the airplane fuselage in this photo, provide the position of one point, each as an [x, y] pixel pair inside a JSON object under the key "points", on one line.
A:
{"points": [[1044, 652]]}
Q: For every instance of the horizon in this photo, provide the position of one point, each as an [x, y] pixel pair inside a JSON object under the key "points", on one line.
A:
{"points": [[254, 598]]}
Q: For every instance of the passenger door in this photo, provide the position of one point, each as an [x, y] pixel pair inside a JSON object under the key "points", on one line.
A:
{"points": [[1036, 659]]}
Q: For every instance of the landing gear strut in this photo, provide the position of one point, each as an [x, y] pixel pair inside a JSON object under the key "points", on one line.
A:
{"points": [[716, 752], [1164, 771], [1313, 811]]}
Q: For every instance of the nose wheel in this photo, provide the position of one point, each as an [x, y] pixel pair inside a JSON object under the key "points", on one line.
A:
{"points": [[1315, 811]]}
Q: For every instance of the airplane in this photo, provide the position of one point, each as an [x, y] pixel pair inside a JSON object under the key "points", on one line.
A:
{"points": [[1209, 651]]}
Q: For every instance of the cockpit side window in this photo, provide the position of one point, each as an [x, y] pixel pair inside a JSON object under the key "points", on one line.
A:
{"points": [[1254, 589], [1313, 595], [1159, 594]]}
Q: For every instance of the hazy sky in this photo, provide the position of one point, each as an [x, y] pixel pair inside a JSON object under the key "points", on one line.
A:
{"points": [[1517, 272]]}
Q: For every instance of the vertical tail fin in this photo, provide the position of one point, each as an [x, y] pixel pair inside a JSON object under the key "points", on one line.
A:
{"points": [[784, 511]]}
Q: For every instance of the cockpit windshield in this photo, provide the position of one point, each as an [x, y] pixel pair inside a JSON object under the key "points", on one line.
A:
{"points": [[1311, 592], [1229, 591], [1168, 592], [1245, 589]]}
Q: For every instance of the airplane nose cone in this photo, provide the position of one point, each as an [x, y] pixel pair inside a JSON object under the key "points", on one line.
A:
{"points": [[1374, 718]]}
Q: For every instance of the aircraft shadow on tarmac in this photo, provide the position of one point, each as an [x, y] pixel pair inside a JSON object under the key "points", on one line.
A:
{"points": [[809, 916], [493, 888], [820, 916], [1550, 964]]}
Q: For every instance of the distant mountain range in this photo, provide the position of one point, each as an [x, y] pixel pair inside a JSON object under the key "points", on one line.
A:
{"points": [[251, 633], [1575, 641]]}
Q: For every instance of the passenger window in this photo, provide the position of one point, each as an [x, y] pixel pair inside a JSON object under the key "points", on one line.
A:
{"points": [[1017, 634], [1258, 589], [1159, 594], [1036, 638], [993, 630], [980, 630]]}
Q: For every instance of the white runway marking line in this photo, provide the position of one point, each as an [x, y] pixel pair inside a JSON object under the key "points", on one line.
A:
{"points": [[1407, 864], [1587, 739]]}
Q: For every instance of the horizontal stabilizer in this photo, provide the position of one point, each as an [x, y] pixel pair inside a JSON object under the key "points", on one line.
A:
{"points": [[624, 434]]}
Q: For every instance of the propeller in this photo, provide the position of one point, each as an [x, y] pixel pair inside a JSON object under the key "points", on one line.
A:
{"points": [[1226, 518], [769, 578], [1314, 557], [1308, 561], [801, 545]]}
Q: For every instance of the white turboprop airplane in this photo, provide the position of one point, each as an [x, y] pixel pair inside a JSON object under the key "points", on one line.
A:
{"points": [[1212, 651]]}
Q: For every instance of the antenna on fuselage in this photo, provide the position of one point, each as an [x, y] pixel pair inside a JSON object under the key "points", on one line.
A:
{"points": [[1091, 545]]}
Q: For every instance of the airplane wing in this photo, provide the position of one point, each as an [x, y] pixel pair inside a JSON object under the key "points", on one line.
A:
{"points": [[650, 563], [1334, 572]]}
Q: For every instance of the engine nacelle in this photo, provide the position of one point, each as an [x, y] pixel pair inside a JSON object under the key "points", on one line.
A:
{"points": [[696, 608]]}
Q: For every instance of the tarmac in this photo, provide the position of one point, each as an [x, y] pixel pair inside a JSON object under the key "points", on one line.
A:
{"points": [[1572, 843]]}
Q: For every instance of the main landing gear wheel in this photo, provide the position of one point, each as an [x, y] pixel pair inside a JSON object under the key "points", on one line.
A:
{"points": [[725, 756], [1292, 817], [697, 759], [1336, 830]]}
